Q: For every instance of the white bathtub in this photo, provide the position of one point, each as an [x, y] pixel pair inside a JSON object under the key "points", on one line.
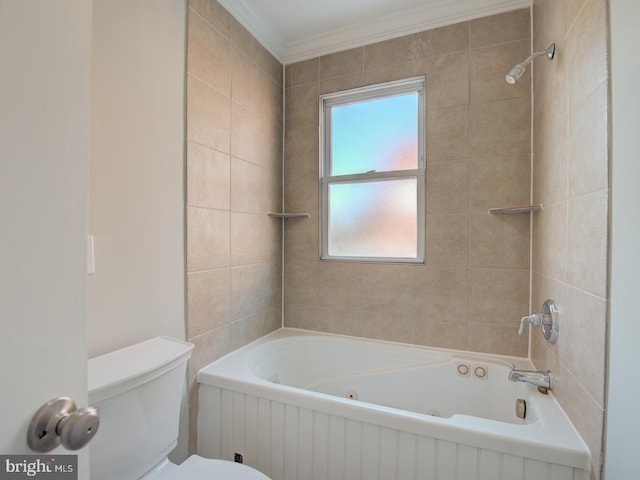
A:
{"points": [[301, 405]]}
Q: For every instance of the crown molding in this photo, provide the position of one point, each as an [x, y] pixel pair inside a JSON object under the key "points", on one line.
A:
{"points": [[431, 15], [392, 26], [263, 31]]}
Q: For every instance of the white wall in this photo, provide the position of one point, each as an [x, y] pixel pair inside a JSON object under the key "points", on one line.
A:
{"points": [[623, 422], [44, 157], [136, 192]]}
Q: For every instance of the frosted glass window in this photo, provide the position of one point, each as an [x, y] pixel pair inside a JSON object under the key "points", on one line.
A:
{"points": [[372, 173], [373, 219]]}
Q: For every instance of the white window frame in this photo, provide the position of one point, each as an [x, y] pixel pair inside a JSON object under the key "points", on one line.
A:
{"points": [[373, 92]]}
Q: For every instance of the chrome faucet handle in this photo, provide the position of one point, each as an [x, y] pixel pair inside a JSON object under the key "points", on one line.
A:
{"points": [[535, 319], [547, 319]]}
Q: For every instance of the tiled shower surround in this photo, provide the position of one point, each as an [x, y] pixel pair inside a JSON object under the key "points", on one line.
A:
{"points": [[571, 179], [474, 286], [234, 177]]}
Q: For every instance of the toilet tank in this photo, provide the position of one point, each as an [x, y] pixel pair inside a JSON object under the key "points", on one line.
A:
{"points": [[137, 391]]}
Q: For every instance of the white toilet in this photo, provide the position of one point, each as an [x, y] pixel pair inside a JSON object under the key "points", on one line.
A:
{"points": [[138, 391]]}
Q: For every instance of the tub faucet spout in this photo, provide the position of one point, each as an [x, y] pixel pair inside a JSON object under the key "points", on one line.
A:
{"points": [[543, 379]]}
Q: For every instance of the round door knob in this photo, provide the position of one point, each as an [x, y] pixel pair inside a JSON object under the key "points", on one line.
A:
{"points": [[78, 428], [58, 421]]}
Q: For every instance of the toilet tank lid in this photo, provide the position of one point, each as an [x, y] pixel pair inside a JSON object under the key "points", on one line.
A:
{"points": [[121, 370]]}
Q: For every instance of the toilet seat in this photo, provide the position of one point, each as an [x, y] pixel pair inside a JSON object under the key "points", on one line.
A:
{"points": [[198, 468]]}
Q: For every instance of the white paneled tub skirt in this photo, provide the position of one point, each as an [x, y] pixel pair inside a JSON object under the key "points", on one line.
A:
{"points": [[302, 405]]}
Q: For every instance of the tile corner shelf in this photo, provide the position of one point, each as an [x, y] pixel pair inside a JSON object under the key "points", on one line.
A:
{"points": [[516, 210], [288, 215]]}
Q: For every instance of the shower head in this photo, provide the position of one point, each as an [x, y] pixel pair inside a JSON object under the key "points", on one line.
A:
{"points": [[516, 72]]}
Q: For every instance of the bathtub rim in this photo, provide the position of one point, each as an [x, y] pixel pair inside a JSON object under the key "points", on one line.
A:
{"points": [[564, 445]]}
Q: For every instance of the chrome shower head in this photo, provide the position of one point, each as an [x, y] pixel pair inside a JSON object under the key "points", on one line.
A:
{"points": [[516, 72]]}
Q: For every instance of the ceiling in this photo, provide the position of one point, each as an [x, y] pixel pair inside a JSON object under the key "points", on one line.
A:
{"points": [[294, 30]]}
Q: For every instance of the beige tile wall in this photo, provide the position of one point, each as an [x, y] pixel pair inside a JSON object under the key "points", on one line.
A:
{"points": [[474, 287], [571, 179], [234, 177]]}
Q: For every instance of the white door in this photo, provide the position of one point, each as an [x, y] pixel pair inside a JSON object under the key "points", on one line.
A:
{"points": [[45, 59]]}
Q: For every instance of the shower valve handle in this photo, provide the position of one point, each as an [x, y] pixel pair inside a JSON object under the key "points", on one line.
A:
{"points": [[535, 320], [547, 319]]}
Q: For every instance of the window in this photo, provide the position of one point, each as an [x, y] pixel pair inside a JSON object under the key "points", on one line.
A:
{"points": [[372, 173]]}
